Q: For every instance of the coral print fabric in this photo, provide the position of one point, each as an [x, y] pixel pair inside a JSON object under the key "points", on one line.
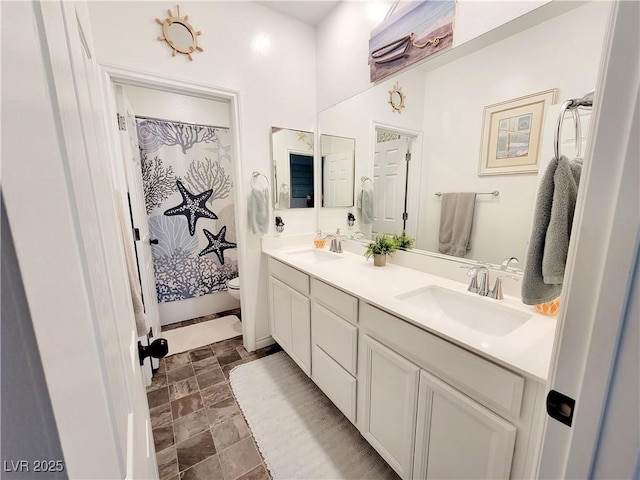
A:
{"points": [[186, 172]]}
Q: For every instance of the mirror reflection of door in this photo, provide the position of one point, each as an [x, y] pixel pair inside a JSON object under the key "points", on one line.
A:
{"points": [[338, 165], [390, 178], [301, 171]]}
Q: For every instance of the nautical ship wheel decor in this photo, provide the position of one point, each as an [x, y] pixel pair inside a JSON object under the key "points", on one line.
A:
{"points": [[396, 98], [179, 34]]}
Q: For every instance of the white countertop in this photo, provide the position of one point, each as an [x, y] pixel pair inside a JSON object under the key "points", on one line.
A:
{"points": [[526, 350]]}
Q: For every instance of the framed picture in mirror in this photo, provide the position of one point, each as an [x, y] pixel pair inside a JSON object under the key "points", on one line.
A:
{"points": [[511, 134]]}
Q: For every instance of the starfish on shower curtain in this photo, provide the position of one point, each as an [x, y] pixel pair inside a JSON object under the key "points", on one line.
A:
{"points": [[217, 243], [193, 207]]}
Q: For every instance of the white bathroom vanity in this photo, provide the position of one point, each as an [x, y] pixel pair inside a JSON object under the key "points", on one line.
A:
{"points": [[428, 372]]}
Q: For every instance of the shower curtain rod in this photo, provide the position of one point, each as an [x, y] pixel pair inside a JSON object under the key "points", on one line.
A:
{"points": [[178, 121]]}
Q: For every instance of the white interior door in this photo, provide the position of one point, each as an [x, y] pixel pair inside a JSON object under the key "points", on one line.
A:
{"points": [[389, 178], [338, 179], [599, 273], [133, 167], [84, 306]]}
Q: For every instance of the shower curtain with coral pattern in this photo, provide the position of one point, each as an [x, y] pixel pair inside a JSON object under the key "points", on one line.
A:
{"points": [[186, 172]]}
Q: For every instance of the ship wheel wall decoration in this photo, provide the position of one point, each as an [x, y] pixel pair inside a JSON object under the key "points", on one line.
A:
{"points": [[179, 34], [396, 98]]}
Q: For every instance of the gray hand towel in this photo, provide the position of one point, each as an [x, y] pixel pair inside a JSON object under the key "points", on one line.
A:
{"points": [[283, 201], [366, 204], [456, 221], [259, 209], [551, 231]]}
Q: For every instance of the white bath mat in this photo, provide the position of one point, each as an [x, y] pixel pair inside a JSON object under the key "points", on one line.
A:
{"points": [[200, 334], [300, 433]]}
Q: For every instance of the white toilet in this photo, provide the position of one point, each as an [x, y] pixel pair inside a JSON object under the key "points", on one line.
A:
{"points": [[233, 287]]}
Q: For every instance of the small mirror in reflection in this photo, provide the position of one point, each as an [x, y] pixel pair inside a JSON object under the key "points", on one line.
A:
{"points": [[292, 168]]}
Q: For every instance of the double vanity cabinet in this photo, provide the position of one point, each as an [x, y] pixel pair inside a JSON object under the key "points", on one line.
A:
{"points": [[431, 408]]}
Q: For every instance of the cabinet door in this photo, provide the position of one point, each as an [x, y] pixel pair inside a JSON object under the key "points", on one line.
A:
{"points": [[279, 297], [390, 390], [291, 322], [457, 437], [300, 307]]}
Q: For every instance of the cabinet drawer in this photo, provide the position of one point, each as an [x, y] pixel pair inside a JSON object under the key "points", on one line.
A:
{"points": [[294, 278], [335, 382], [490, 384], [339, 302], [337, 337]]}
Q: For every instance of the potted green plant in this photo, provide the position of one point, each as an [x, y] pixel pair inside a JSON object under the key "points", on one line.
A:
{"points": [[383, 244], [403, 241]]}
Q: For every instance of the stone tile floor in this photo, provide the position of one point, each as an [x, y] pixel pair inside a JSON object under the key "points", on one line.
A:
{"points": [[198, 429]]}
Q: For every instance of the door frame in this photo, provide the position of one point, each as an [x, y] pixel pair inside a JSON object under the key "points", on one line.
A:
{"points": [[125, 76], [601, 260], [412, 192]]}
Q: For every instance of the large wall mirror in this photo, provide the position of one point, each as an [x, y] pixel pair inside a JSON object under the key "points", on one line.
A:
{"points": [[337, 170], [444, 113], [292, 168]]}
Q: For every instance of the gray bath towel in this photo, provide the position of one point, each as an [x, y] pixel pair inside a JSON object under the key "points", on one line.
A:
{"points": [[259, 209], [456, 220], [551, 231]]}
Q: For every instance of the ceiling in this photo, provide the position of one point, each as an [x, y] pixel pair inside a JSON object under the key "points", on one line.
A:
{"points": [[310, 12]]}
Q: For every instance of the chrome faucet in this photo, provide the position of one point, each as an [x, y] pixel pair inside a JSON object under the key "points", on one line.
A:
{"points": [[480, 287], [507, 261], [336, 246]]}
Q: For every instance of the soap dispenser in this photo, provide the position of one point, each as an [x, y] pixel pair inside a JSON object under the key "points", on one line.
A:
{"points": [[319, 240]]}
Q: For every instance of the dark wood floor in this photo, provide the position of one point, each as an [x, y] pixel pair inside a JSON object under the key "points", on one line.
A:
{"points": [[198, 428]]}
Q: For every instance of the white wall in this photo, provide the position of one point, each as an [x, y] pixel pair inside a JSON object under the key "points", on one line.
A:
{"points": [[343, 40], [562, 53], [275, 88]]}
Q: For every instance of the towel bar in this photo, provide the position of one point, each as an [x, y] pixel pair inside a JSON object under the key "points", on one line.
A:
{"points": [[495, 193]]}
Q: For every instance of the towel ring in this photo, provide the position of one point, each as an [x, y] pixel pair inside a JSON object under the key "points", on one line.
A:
{"points": [[578, 129], [257, 174], [363, 180]]}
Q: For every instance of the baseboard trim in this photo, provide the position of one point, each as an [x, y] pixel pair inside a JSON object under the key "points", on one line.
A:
{"points": [[264, 342]]}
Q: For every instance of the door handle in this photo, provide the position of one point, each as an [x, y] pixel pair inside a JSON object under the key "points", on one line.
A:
{"points": [[156, 349], [560, 407], [154, 241]]}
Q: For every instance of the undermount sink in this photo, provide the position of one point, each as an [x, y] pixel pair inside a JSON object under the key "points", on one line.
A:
{"points": [[469, 310], [314, 255]]}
